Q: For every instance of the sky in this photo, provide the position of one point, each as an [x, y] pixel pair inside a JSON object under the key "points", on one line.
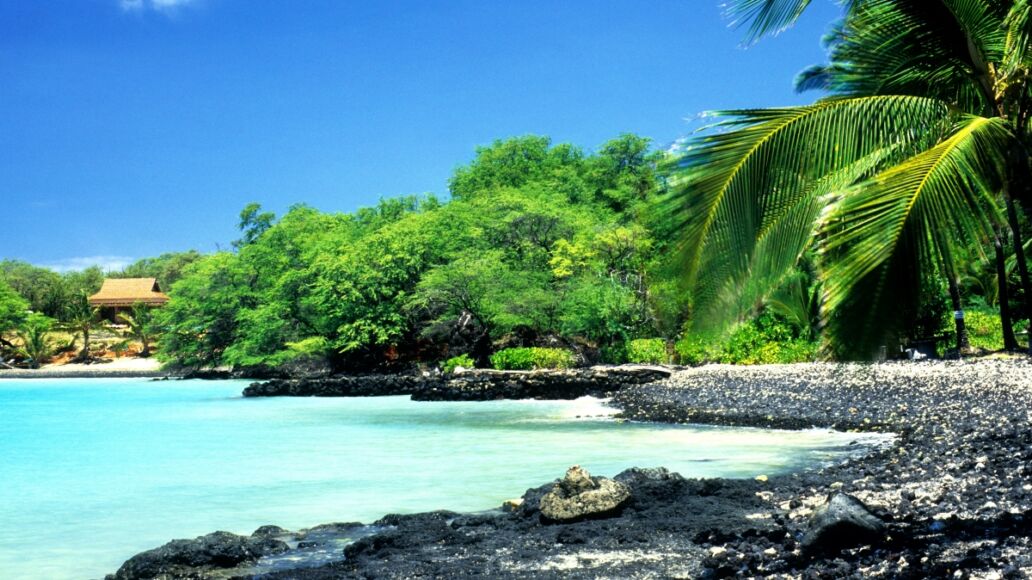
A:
{"points": [[130, 128]]}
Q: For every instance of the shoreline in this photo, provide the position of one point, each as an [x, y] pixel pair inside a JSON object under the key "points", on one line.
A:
{"points": [[954, 491], [119, 368]]}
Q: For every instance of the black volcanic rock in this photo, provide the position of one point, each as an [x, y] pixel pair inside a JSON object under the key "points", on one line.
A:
{"points": [[193, 558], [953, 490], [843, 522], [474, 385]]}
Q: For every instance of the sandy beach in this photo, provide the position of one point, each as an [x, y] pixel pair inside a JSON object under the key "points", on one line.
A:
{"points": [[122, 367]]}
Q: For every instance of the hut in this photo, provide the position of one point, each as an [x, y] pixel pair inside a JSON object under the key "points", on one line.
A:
{"points": [[121, 294]]}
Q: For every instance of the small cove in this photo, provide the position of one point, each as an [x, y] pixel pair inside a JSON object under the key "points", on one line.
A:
{"points": [[95, 470]]}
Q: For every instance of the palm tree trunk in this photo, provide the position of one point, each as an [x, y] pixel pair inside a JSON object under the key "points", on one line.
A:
{"points": [[1009, 341], [1019, 257], [84, 355], [963, 344]]}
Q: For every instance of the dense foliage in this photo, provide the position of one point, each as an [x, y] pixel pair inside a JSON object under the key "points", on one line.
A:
{"points": [[919, 158], [531, 358], [539, 242]]}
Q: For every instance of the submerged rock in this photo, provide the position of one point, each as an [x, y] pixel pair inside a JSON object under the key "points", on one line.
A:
{"points": [[579, 495], [193, 558], [842, 522]]}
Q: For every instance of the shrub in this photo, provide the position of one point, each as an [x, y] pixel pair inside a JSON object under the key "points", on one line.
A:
{"points": [[647, 351], [766, 340], [615, 354], [463, 360], [525, 359], [984, 330], [696, 350]]}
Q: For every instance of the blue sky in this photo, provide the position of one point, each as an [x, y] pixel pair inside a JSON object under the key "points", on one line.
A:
{"points": [[129, 128]]}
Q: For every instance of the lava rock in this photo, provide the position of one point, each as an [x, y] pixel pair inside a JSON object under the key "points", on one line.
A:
{"points": [[579, 495], [191, 558], [842, 522]]}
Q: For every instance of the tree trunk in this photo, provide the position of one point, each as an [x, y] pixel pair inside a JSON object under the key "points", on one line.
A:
{"points": [[963, 344], [1009, 341], [84, 354], [1019, 257], [481, 351]]}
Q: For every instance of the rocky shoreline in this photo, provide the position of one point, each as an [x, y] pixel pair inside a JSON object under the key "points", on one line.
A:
{"points": [[953, 497], [469, 385]]}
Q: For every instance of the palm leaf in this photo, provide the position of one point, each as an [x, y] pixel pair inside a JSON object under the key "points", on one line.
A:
{"points": [[765, 16], [1019, 36], [939, 49], [745, 196], [878, 236]]}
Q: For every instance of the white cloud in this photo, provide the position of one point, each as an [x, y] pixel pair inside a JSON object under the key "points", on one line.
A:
{"points": [[159, 5], [106, 263]]}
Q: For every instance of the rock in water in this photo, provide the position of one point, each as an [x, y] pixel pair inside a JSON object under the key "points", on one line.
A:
{"points": [[191, 558], [843, 522], [579, 495]]}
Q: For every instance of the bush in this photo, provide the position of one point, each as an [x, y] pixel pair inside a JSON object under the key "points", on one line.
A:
{"points": [[463, 360], [647, 351], [984, 330], [696, 350], [615, 354], [525, 359], [766, 340]]}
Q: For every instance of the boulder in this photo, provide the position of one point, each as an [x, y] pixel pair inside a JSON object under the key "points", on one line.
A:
{"points": [[843, 522], [191, 558], [578, 496]]}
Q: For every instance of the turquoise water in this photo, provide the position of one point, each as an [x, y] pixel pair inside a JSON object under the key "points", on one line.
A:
{"points": [[94, 470]]}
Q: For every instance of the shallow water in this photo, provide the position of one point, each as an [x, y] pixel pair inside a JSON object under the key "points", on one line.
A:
{"points": [[94, 470]]}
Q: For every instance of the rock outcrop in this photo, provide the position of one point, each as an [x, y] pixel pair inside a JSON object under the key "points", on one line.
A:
{"points": [[472, 385], [198, 557], [578, 496], [842, 522]]}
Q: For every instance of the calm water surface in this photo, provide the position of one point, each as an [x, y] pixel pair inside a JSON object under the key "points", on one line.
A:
{"points": [[94, 470]]}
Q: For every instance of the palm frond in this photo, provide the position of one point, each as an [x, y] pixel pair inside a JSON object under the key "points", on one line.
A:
{"points": [[744, 200], [764, 16], [933, 48], [878, 237], [1019, 36]]}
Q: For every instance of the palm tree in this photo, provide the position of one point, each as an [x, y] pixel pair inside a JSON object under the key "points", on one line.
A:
{"points": [[83, 319], [926, 131], [140, 324], [34, 337]]}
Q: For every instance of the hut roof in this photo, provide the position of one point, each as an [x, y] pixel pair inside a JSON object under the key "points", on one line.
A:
{"points": [[128, 291]]}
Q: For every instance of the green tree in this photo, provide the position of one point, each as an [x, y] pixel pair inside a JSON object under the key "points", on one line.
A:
{"points": [[34, 339], [925, 132], [13, 310], [253, 223], [141, 326], [515, 163], [84, 320], [44, 289], [383, 285], [200, 320], [167, 269], [483, 297]]}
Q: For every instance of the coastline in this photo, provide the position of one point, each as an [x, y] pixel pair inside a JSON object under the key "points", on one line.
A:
{"points": [[954, 492]]}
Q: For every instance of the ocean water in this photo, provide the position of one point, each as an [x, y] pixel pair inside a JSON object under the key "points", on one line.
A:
{"points": [[93, 471]]}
